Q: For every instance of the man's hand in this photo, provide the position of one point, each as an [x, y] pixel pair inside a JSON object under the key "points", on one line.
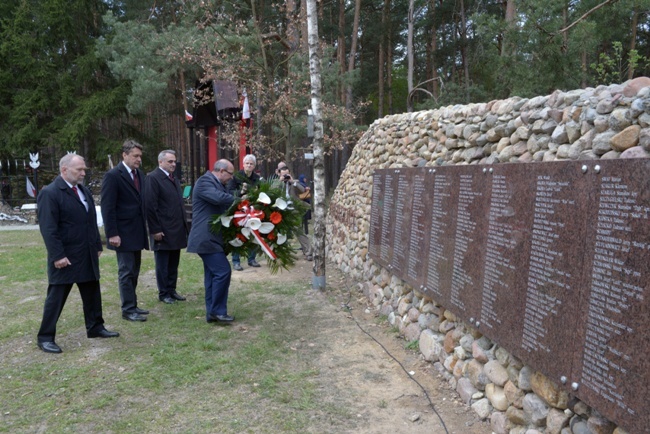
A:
{"points": [[115, 241], [62, 263], [158, 236]]}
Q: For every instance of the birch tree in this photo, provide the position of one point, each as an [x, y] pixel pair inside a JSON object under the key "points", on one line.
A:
{"points": [[318, 279]]}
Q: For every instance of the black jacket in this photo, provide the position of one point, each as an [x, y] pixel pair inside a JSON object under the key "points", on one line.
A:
{"points": [[69, 231]]}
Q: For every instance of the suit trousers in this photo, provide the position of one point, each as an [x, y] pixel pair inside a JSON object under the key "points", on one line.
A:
{"points": [[216, 278], [166, 271], [56, 297], [128, 271]]}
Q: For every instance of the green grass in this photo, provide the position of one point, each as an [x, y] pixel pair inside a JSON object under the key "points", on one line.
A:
{"points": [[173, 373]]}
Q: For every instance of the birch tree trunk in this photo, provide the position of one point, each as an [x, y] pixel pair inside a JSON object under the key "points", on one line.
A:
{"points": [[409, 55], [318, 247]]}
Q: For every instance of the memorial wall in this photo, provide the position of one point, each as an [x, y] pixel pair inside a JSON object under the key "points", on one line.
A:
{"points": [[548, 260], [540, 265]]}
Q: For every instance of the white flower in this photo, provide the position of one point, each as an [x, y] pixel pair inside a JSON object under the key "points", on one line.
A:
{"points": [[246, 232], [254, 223], [236, 242], [264, 198], [266, 227], [225, 221], [282, 238], [280, 203]]}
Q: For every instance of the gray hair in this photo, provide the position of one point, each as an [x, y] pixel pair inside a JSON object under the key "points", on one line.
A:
{"points": [[129, 144], [250, 157], [67, 159], [220, 165], [162, 154]]}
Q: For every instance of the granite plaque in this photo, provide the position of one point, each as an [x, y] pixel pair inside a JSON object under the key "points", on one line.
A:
{"points": [[437, 282], [420, 228], [376, 213], [472, 193], [611, 368], [551, 260], [402, 220]]}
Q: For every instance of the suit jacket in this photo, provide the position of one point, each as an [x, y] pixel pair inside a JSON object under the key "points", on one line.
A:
{"points": [[209, 199], [123, 209], [165, 211], [69, 231]]}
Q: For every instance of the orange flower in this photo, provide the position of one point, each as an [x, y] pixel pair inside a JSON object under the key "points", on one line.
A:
{"points": [[271, 236], [242, 204], [241, 237], [276, 217]]}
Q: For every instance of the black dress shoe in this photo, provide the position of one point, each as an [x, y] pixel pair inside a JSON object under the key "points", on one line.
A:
{"points": [[177, 296], [133, 317], [254, 263], [220, 318], [141, 311], [50, 347], [167, 300], [103, 334], [237, 266]]}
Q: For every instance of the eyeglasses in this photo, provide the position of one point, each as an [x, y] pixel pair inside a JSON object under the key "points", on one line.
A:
{"points": [[229, 173]]}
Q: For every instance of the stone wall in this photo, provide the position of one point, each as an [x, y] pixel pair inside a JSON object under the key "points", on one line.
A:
{"points": [[606, 122]]}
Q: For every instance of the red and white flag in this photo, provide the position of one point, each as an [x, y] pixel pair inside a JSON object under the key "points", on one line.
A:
{"points": [[246, 111], [31, 190], [188, 116]]}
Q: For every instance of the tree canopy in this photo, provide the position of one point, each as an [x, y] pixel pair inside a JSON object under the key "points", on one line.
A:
{"points": [[85, 74]]}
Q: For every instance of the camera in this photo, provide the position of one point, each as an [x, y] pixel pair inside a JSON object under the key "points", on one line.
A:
{"points": [[287, 177]]}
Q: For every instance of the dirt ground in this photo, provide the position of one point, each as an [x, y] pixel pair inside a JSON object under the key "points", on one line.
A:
{"points": [[368, 366]]}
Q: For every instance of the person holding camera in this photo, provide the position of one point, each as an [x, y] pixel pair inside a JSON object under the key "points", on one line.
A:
{"points": [[243, 181], [293, 189]]}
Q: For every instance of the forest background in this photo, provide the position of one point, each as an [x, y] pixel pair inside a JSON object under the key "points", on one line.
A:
{"points": [[85, 74]]}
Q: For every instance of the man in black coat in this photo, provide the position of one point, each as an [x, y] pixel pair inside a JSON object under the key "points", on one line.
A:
{"points": [[167, 221], [68, 223], [125, 224]]}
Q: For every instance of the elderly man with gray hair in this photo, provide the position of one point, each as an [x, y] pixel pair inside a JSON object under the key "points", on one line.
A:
{"points": [[244, 180], [167, 221]]}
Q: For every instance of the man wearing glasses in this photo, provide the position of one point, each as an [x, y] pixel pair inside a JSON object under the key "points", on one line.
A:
{"points": [[210, 197]]}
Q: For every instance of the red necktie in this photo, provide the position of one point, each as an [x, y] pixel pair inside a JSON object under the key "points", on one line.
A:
{"points": [[136, 182], [171, 176], [74, 188]]}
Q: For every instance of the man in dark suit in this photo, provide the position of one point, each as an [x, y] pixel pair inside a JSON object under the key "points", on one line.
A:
{"points": [[125, 224], [68, 223], [167, 224], [209, 198]]}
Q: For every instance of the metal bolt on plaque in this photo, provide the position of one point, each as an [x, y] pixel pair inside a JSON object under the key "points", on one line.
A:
{"points": [[584, 168], [563, 379], [597, 168], [574, 386], [484, 170], [491, 169]]}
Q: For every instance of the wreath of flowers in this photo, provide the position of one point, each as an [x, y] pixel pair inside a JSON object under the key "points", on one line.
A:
{"points": [[264, 218]]}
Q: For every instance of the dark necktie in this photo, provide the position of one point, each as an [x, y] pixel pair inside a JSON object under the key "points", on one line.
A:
{"points": [[74, 188], [136, 182], [171, 176]]}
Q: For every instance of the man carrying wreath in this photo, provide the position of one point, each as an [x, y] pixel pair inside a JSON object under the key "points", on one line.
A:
{"points": [[210, 197]]}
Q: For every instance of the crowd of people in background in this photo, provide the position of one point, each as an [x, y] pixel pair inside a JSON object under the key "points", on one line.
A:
{"points": [[143, 212]]}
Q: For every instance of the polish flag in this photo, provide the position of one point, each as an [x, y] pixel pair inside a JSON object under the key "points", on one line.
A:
{"points": [[31, 190], [188, 116], [246, 111]]}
